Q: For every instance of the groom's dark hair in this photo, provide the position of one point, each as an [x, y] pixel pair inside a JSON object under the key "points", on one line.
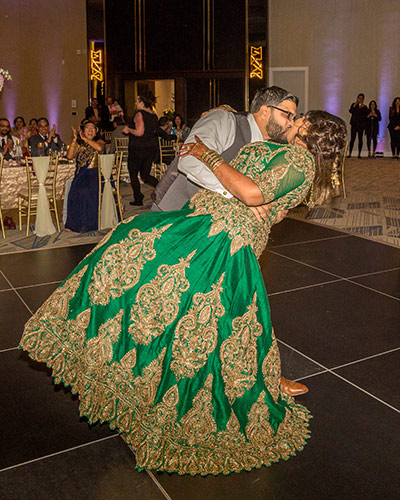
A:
{"points": [[267, 96]]}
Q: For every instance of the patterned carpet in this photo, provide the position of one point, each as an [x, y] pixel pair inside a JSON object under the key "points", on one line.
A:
{"points": [[372, 206], [17, 241], [371, 209]]}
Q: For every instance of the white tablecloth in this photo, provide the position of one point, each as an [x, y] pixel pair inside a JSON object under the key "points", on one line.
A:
{"points": [[14, 179]]}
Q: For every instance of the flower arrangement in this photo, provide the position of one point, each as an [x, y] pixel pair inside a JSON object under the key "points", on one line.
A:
{"points": [[4, 75]]}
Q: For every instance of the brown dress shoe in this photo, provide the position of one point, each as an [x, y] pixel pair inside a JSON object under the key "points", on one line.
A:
{"points": [[291, 388]]}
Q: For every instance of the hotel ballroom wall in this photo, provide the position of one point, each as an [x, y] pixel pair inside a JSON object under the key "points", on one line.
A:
{"points": [[349, 46], [44, 48]]}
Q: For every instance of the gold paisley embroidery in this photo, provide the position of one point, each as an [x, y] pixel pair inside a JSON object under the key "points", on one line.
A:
{"points": [[232, 217], [157, 302], [196, 332], [99, 350], [194, 445], [271, 369], [54, 309], [239, 353], [114, 394], [199, 424], [259, 431], [119, 268]]}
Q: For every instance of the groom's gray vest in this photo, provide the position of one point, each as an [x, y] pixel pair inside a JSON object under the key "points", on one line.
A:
{"points": [[175, 189]]}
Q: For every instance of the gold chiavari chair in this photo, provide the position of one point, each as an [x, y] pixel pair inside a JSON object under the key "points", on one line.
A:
{"points": [[107, 136], [342, 169], [27, 197], [121, 144], [168, 151], [1, 214], [116, 178]]}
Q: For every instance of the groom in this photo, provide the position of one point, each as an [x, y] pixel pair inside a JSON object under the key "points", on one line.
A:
{"points": [[272, 112]]}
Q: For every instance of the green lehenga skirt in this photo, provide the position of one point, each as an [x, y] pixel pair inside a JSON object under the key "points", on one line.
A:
{"points": [[166, 335]]}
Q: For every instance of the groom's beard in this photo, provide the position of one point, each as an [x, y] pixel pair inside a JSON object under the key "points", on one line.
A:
{"points": [[275, 132]]}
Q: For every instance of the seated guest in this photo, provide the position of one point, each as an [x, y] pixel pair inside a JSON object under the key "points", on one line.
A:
{"points": [[32, 130], [83, 198], [179, 128], [163, 132], [33, 127], [117, 133], [20, 129], [7, 141], [45, 142]]}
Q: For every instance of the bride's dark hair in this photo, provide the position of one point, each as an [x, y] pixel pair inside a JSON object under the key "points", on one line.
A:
{"points": [[326, 134], [326, 140]]}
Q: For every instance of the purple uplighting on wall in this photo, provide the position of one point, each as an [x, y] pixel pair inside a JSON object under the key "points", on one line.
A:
{"points": [[333, 75]]}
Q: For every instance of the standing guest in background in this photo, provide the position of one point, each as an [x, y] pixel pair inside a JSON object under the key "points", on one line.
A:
{"points": [[112, 112], [46, 141], [20, 130], [98, 114], [179, 128], [92, 112], [7, 141], [394, 127], [114, 109], [83, 198], [117, 133], [358, 122], [143, 144], [372, 130]]}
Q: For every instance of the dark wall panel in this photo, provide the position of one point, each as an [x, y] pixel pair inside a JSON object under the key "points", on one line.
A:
{"points": [[229, 34], [198, 98], [120, 35], [174, 35], [231, 91]]}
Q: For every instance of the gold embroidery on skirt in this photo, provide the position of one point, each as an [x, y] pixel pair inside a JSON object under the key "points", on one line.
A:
{"points": [[258, 430], [99, 350], [271, 369], [199, 424], [196, 333], [53, 310], [232, 217], [157, 302], [239, 353], [114, 394], [120, 266]]}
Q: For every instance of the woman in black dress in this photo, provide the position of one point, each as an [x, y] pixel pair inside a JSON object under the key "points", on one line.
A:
{"points": [[394, 127], [373, 118], [143, 143]]}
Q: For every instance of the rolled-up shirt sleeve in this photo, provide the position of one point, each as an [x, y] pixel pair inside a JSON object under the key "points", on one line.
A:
{"points": [[217, 130]]}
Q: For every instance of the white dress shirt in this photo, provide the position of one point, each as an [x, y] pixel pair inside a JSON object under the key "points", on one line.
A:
{"points": [[217, 129]]}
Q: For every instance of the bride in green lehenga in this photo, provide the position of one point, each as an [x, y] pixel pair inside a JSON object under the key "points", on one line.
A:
{"points": [[164, 329]]}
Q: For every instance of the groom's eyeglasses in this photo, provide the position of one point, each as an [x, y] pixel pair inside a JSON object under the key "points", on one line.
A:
{"points": [[290, 116]]}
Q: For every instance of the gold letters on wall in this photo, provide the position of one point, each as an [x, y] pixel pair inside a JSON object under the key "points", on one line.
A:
{"points": [[256, 70], [96, 65]]}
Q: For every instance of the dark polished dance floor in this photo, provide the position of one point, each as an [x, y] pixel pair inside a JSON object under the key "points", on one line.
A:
{"points": [[335, 301]]}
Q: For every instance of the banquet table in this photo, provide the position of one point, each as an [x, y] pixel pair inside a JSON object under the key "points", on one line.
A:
{"points": [[14, 178]]}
